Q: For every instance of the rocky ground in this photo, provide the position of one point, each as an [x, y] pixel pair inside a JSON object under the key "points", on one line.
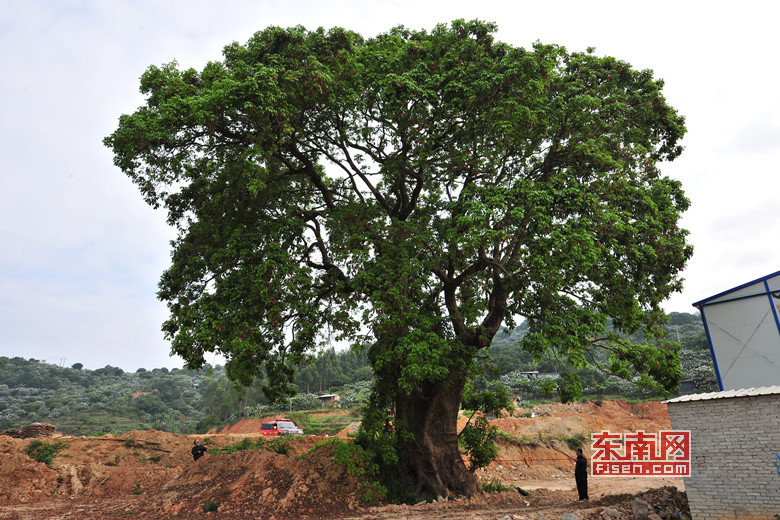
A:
{"points": [[151, 475]]}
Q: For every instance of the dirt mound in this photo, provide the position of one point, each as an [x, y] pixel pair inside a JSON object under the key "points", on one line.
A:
{"points": [[535, 460], [255, 483], [568, 420], [246, 426], [21, 479]]}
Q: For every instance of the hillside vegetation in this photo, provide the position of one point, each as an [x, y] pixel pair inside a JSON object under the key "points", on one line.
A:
{"points": [[109, 400]]}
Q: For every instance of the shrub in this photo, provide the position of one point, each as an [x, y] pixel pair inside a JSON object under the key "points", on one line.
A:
{"points": [[575, 442], [42, 451], [493, 486], [280, 445]]}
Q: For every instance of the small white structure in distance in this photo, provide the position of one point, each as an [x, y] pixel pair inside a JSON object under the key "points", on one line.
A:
{"points": [[743, 328]]}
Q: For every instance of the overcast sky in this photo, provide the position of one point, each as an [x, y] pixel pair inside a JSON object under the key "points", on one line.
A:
{"points": [[81, 253]]}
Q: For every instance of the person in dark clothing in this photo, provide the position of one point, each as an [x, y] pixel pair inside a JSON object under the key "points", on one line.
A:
{"points": [[581, 475], [198, 450]]}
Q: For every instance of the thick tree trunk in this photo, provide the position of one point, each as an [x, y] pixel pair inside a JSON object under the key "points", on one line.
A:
{"points": [[431, 414]]}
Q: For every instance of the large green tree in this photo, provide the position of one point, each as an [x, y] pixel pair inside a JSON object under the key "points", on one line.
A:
{"points": [[411, 193]]}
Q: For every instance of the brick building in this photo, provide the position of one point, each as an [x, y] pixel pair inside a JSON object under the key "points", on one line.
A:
{"points": [[735, 442]]}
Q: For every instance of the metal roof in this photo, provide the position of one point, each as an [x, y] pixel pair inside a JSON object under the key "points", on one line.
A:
{"points": [[734, 289], [742, 392]]}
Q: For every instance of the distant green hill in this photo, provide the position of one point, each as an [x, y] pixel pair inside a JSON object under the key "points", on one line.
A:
{"points": [[80, 401]]}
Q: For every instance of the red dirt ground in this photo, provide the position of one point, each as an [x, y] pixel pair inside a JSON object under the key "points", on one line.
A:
{"points": [[151, 475]]}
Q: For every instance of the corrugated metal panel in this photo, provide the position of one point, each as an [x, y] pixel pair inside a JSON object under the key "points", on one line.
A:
{"points": [[742, 392]]}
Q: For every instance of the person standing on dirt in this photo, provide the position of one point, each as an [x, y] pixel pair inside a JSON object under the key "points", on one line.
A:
{"points": [[581, 475], [198, 450]]}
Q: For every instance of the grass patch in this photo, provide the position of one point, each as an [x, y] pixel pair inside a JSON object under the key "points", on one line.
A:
{"points": [[493, 486], [504, 435], [534, 402], [42, 451]]}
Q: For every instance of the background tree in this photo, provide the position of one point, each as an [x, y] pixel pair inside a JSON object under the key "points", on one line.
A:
{"points": [[220, 398], [411, 193]]}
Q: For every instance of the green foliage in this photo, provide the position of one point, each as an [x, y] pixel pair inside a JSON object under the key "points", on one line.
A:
{"points": [[383, 437], [207, 423], [355, 395], [44, 451], [151, 404], [598, 204], [360, 464], [476, 182], [494, 400], [220, 398], [503, 435], [494, 486], [569, 387], [304, 402], [210, 506], [87, 402], [477, 439], [694, 354], [331, 369], [575, 441], [280, 445], [243, 445]]}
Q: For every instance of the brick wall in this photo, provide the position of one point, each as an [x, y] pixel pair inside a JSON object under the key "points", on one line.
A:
{"points": [[733, 446]]}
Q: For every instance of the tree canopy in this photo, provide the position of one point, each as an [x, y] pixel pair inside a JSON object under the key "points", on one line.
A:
{"points": [[410, 194]]}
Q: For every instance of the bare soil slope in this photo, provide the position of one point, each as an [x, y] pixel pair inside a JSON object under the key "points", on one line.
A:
{"points": [[150, 474]]}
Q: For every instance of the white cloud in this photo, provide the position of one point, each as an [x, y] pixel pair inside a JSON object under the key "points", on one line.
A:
{"points": [[759, 136]]}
